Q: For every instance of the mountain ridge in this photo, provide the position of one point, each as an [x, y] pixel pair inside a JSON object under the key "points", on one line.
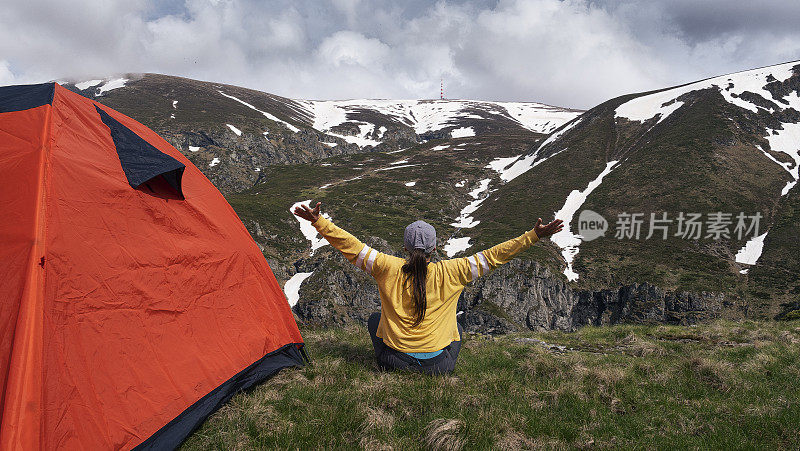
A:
{"points": [[241, 130]]}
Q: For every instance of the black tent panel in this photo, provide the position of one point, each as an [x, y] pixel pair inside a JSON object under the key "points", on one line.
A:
{"points": [[25, 97], [140, 160]]}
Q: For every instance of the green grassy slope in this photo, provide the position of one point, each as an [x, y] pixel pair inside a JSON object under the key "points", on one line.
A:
{"points": [[717, 386], [378, 204]]}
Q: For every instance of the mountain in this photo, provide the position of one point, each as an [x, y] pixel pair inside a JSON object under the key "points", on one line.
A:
{"points": [[236, 132], [482, 172], [725, 145]]}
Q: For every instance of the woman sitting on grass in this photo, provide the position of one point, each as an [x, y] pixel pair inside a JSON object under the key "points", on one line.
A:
{"points": [[417, 328]]}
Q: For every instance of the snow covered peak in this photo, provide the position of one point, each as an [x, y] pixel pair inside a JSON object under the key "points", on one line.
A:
{"points": [[434, 115], [101, 86], [731, 87]]}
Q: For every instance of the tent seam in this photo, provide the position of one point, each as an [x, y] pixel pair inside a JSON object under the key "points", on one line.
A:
{"points": [[37, 250]]}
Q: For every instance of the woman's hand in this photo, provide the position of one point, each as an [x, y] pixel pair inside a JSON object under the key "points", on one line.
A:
{"points": [[544, 231], [307, 213]]}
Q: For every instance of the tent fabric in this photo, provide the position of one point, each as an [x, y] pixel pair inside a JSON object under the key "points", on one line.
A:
{"points": [[122, 310]]}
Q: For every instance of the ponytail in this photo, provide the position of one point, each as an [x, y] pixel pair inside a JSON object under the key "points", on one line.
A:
{"points": [[416, 271]]}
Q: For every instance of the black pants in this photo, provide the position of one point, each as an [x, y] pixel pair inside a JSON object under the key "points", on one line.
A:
{"points": [[391, 359]]}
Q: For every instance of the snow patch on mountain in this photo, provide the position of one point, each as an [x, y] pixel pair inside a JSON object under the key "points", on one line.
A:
{"points": [[731, 87], [786, 140], [463, 132], [110, 85], [327, 114], [465, 220], [87, 84], [751, 251], [307, 229], [410, 183], [341, 181], [194, 148], [483, 186], [555, 136], [786, 166], [396, 167], [234, 129], [570, 242], [456, 245], [292, 287], [537, 117], [361, 139], [793, 101], [500, 164], [214, 162], [267, 115], [788, 187], [527, 162], [479, 194]]}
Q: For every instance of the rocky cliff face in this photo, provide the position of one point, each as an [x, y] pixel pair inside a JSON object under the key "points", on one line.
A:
{"points": [[337, 293], [521, 295], [525, 295]]}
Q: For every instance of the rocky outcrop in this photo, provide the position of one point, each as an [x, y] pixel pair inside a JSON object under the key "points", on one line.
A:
{"points": [[521, 295], [532, 298], [644, 303], [336, 293]]}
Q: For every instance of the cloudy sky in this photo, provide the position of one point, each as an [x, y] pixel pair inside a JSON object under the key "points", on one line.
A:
{"points": [[574, 53]]}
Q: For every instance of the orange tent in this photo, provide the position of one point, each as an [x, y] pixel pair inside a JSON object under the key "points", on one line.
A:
{"points": [[133, 302]]}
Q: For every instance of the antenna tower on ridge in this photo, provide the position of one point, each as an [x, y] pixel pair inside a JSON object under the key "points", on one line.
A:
{"points": [[441, 92]]}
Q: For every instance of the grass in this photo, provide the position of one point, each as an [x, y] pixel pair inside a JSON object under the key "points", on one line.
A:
{"points": [[722, 385]]}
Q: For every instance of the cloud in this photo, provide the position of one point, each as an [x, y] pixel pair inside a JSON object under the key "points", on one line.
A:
{"points": [[347, 48], [564, 52], [6, 76]]}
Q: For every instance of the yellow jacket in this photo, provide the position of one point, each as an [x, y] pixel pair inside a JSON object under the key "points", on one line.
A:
{"points": [[444, 284]]}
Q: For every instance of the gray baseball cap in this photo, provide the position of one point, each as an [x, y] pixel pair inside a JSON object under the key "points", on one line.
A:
{"points": [[420, 235]]}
